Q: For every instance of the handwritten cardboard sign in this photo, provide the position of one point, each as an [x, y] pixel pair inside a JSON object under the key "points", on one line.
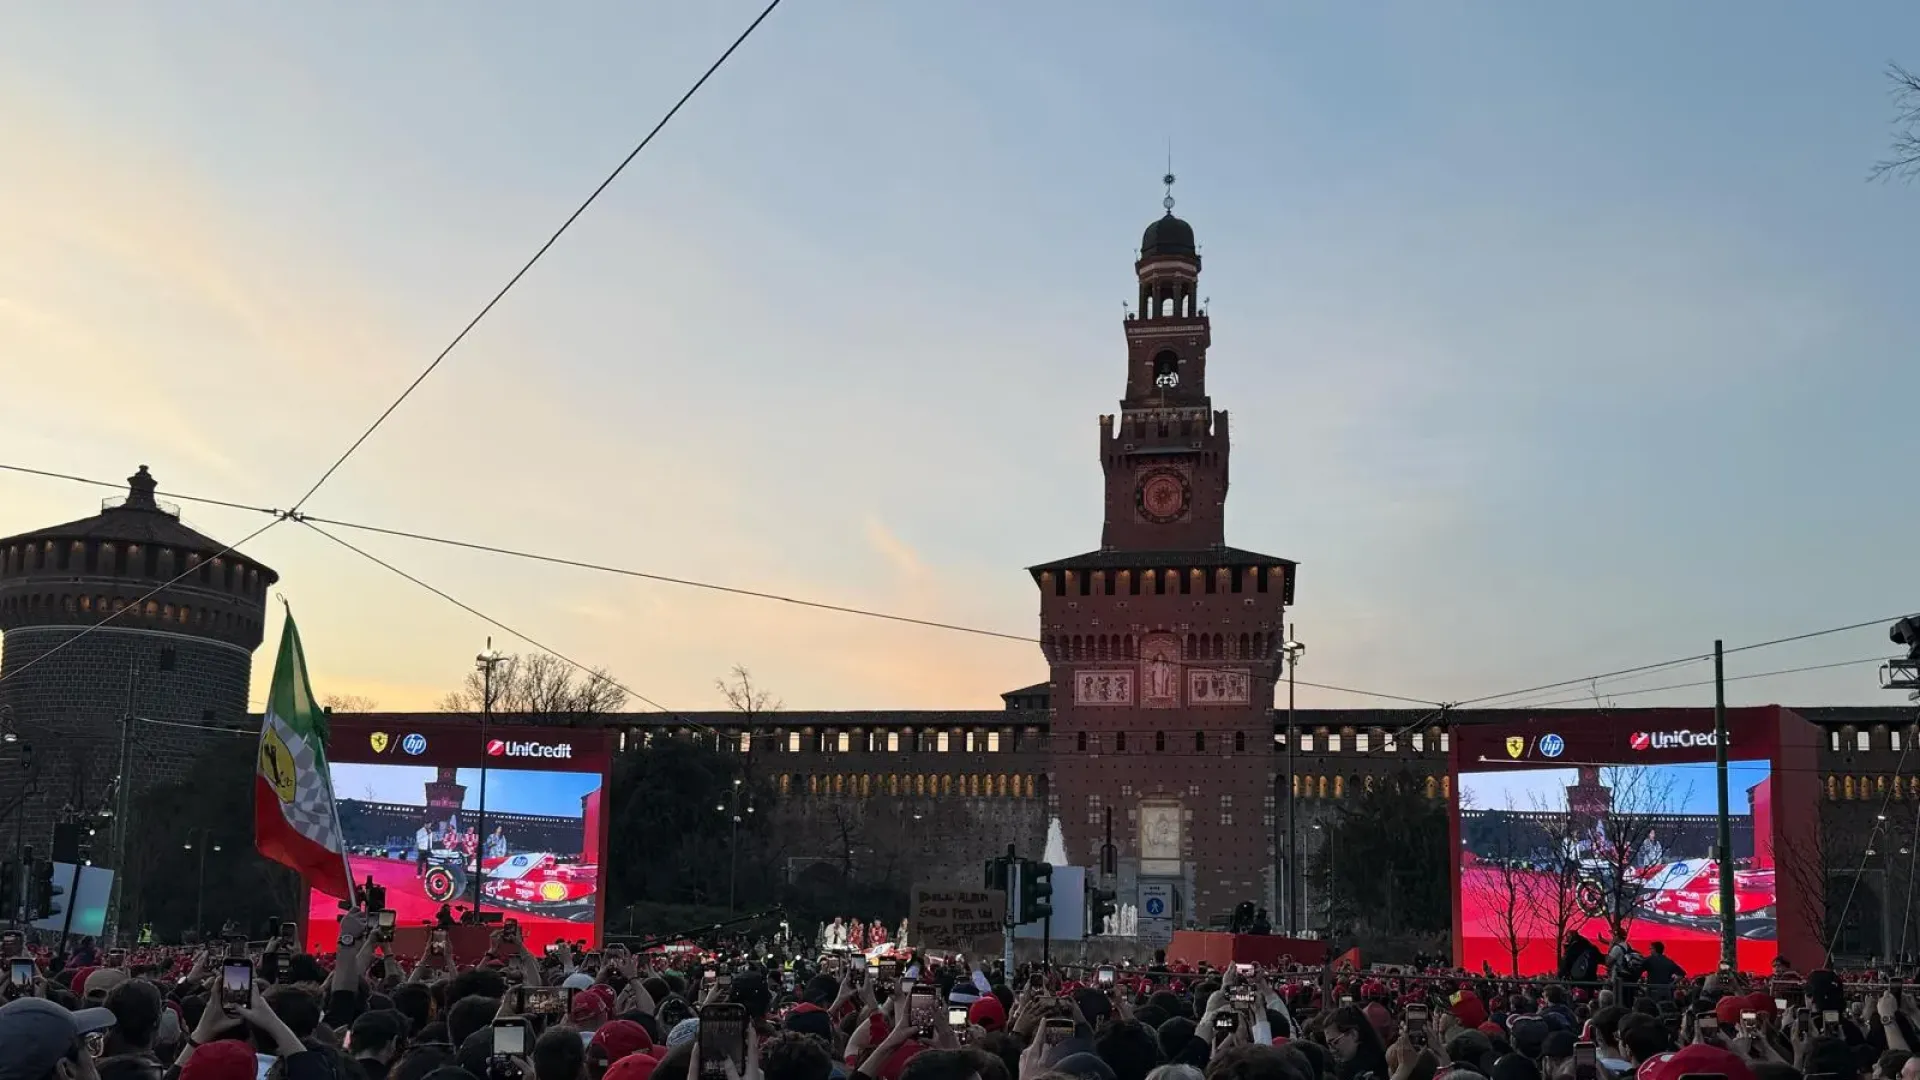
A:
{"points": [[955, 917]]}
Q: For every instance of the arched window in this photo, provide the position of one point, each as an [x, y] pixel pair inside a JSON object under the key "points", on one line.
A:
{"points": [[1433, 788], [813, 784], [1832, 787], [1339, 787]]}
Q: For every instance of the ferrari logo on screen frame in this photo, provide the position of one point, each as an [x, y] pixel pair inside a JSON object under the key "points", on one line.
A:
{"points": [[379, 742], [1516, 745]]}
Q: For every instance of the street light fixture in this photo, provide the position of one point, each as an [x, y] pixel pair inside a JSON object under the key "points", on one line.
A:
{"points": [[200, 896], [485, 662]]}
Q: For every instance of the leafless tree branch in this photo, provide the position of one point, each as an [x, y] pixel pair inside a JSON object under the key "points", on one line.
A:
{"points": [[538, 685], [1903, 159]]}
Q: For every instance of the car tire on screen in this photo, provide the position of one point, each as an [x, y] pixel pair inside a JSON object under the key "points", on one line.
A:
{"points": [[443, 884]]}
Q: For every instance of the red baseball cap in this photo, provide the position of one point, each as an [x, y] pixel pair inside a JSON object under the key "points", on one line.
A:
{"points": [[1697, 1058]]}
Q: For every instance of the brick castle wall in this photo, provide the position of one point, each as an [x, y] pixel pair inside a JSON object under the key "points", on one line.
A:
{"points": [[68, 708]]}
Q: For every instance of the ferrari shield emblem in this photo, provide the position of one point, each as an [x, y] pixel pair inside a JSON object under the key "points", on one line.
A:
{"points": [[276, 766], [379, 741], [1516, 745]]}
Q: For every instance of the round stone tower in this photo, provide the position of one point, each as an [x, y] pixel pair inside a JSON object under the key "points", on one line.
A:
{"points": [[170, 668]]}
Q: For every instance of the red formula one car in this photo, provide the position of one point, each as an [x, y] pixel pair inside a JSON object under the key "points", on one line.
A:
{"points": [[533, 881], [1687, 891]]}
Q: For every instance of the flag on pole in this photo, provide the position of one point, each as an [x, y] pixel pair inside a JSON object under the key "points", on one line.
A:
{"points": [[295, 822]]}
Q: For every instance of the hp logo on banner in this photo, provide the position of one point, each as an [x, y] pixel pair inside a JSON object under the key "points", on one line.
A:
{"points": [[1552, 746], [414, 744]]}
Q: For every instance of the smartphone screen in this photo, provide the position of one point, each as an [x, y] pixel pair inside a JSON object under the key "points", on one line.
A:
{"points": [[922, 1007], [549, 1001], [957, 1017], [1225, 1023], [1780, 1005], [1058, 1029], [1417, 1025], [20, 972], [1103, 977], [723, 1038], [1036, 981], [1586, 1061], [510, 1037], [384, 919], [236, 983]]}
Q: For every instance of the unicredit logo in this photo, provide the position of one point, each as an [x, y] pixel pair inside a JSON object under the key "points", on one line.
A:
{"points": [[510, 748], [1671, 740]]}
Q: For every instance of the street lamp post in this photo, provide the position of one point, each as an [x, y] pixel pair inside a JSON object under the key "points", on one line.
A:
{"points": [[485, 663], [200, 896], [733, 840], [1293, 650]]}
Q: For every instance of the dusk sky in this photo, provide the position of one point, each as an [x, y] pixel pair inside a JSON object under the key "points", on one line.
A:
{"points": [[509, 791], [1556, 338]]}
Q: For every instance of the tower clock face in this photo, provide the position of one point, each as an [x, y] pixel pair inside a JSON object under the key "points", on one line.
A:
{"points": [[1162, 495]]}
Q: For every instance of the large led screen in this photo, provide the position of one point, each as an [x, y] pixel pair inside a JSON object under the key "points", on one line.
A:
{"points": [[1547, 848], [440, 817]]}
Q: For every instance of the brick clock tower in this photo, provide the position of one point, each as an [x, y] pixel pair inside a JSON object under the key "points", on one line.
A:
{"points": [[1164, 644]]}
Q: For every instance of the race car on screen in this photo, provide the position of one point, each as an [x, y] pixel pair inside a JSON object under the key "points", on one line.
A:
{"points": [[533, 881], [1687, 892]]}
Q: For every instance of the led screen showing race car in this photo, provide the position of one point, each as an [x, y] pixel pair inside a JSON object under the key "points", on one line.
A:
{"points": [[414, 823], [1594, 847]]}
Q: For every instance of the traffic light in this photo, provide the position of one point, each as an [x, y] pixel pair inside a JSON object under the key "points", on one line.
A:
{"points": [[1036, 891], [1100, 908], [41, 890], [996, 878], [66, 842]]}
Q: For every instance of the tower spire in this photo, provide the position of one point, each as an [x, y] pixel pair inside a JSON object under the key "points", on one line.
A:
{"points": [[1168, 178]]}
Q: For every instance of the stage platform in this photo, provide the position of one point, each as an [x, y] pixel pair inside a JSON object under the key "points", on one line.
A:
{"points": [[1219, 949]]}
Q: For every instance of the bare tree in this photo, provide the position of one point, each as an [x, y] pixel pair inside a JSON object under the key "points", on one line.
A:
{"points": [[539, 685], [1623, 845], [1500, 882], [1554, 904], [1903, 159], [744, 697], [350, 703], [1805, 869]]}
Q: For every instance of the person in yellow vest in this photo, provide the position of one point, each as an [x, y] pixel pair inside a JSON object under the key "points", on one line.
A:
{"points": [[146, 934]]}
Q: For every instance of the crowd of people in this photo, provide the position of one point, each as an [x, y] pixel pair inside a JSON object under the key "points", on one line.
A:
{"points": [[571, 1013]]}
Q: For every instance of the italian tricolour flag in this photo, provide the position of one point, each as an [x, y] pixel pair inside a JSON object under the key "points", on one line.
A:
{"points": [[295, 822]]}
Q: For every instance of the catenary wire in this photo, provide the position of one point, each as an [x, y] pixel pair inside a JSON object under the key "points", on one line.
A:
{"points": [[1883, 620], [551, 240], [491, 621], [1709, 682], [580, 564], [138, 601], [1445, 708]]}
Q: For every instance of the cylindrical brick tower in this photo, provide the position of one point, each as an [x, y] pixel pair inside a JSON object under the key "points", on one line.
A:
{"points": [[174, 666]]}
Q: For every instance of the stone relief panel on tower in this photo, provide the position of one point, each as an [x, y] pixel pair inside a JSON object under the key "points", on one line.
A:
{"points": [[1218, 686], [1160, 671], [1103, 688]]}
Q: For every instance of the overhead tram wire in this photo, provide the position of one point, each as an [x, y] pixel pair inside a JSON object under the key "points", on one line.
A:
{"points": [[491, 621], [1883, 620], [1441, 715], [666, 579], [1709, 682], [139, 601], [522, 272]]}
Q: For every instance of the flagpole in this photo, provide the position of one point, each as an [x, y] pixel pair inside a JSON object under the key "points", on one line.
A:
{"points": [[326, 775]]}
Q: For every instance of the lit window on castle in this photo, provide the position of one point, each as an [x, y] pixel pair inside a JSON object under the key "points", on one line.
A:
{"points": [[1863, 740], [940, 742], [746, 741], [1306, 742], [793, 742], [1833, 740], [1360, 742], [1446, 741], [893, 742], [1893, 739], [845, 742], [1419, 742], [1389, 744], [993, 742], [1333, 742]]}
